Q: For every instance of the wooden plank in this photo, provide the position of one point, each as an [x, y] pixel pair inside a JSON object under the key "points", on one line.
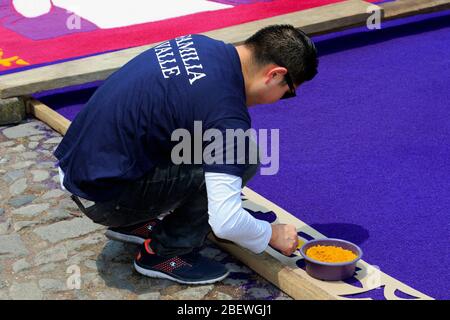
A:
{"points": [[403, 8], [48, 116], [315, 20], [282, 276]]}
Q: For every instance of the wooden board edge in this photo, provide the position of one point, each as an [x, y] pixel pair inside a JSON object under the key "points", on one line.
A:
{"points": [[47, 115], [403, 8], [392, 11], [283, 277]]}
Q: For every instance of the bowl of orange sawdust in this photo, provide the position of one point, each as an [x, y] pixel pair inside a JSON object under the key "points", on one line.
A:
{"points": [[330, 259]]}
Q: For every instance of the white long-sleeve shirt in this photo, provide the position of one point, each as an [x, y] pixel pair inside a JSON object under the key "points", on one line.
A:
{"points": [[228, 219]]}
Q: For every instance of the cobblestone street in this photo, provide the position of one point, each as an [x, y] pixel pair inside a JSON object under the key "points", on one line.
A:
{"points": [[48, 250]]}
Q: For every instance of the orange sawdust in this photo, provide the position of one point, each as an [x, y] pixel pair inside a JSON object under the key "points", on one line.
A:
{"points": [[330, 254]]}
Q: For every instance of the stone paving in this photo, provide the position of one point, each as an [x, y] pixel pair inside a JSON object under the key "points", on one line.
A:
{"points": [[48, 250]]}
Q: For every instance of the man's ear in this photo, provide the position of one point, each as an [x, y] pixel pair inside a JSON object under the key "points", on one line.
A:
{"points": [[275, 72]]}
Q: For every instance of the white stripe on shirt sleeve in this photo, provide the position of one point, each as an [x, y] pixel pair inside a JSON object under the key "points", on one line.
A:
{"points": [[228, 219]]}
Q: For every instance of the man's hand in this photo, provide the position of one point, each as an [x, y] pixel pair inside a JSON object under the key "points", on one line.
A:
{"points": [[284, 238]]}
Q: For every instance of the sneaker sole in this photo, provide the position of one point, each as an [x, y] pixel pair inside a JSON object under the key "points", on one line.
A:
{"points": [[157, 274], [123, 237]]}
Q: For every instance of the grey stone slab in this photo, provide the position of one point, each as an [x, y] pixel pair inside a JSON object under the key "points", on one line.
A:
{"points": [[46, 153], [113, 250], [5, 226], [22, 164], [55, 215], [18, 148], [24, 224], [3, 284], [121, 272], [33, 145], [223, 296], [81, 295], [91, 264], [31, 210], [234, 282], [40, 175], [109, 295], [52, 285], [46, 165], [7, 144], [56, 179], [18, 187], [2, 211], [37, 188], [54, 254], [4, 159], [25, 291], [12, 246], [233, 267], [92, 279], [48, 267], [55, 140], [77, 245], [67, 229], [13, 175], [12, 111], [80, 257], [29, 155], [259, 293], [194, 293], [86, 203], [149, 296], [4, 295], [22, 200], [67, 203], [20, 265], [23, 130], [36, 138], [46, 147], [56, 193]]}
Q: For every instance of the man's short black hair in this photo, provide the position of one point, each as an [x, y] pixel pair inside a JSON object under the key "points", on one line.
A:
{"points": [[288, 47]]}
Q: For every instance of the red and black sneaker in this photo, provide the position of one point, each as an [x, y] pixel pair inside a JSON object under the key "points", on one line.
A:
{"points": [[137, 233], [190, 268]]}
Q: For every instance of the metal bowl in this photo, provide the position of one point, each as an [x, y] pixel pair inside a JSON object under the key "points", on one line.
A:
{"points": [[331, 271]]}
